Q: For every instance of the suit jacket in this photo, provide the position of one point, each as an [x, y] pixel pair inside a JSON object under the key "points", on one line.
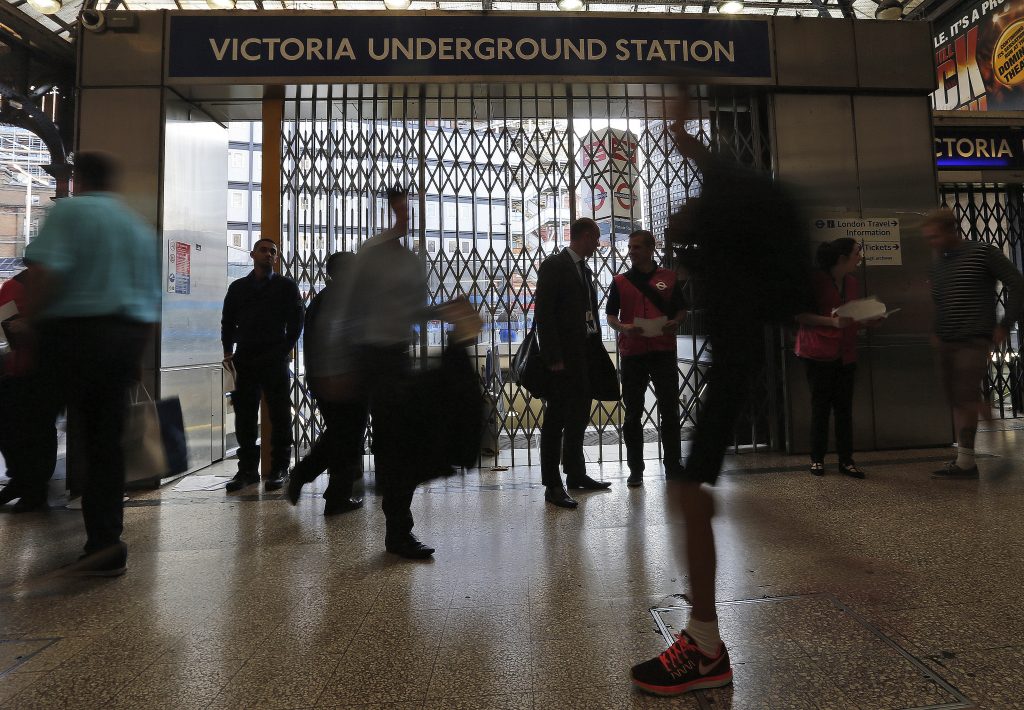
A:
{"points": [[560, 306]]}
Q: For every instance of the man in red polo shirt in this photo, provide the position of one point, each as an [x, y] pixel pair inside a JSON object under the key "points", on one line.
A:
{"points": [[647, 291]]}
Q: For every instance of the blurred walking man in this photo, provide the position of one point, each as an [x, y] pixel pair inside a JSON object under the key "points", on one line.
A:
{"points": [[963, 280], [260, 324], [93, 297], [746, 246]]}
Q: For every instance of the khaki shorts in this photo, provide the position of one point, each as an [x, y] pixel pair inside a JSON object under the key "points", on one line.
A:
{"points": [[964, 366]]}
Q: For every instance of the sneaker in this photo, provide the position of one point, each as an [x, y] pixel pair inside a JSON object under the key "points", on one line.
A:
{"points": [[850, 469], [241, 480], [109, 561], [954, 472], [681, 668]]}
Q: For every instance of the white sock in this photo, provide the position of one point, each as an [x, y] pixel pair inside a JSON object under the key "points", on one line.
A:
{"points": [[964, 458], [705, 634]]}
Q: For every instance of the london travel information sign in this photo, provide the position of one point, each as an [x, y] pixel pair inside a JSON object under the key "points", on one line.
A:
{"points": [[416, 45]]}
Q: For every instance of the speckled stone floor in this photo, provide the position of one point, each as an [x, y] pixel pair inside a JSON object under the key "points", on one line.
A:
{"points": [[893, 592]]}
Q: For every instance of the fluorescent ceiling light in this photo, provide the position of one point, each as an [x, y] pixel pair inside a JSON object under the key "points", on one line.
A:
{"points": [[730, 7], [47, 7], [397, 4], [221, 4], [570, 5], [889, 10]]}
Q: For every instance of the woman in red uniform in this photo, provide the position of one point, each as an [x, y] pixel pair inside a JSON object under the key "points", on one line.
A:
{"points": [[828, 346]]}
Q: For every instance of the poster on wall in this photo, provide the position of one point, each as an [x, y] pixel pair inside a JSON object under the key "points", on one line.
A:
{"points": [[979, 57], [179, 267]]}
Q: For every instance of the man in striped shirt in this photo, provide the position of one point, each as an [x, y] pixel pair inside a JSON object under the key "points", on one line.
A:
{"points": [[963, 280]]}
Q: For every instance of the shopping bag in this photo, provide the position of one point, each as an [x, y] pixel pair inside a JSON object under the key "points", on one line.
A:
{"points": [[154, 438], [144, 456]]}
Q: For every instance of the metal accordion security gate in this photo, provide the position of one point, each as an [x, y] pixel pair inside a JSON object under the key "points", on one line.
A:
{"points": [[994, 213], [496, 174]]}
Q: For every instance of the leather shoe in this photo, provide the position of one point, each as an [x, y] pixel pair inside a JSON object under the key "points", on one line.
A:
{"points": [[241, 480], [635, 479], [294, 489], [276, 480], [10, 492], [344, 505], [556, 495], [30, 504], [586, 483], [409, 548]]}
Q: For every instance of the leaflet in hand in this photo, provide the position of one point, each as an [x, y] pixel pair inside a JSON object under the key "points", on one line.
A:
{"points": [[651, 327], [861, 309]]}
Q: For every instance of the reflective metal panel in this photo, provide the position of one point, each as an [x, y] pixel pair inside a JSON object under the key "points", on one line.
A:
{"points": [[124, 59], [895, 55], [815, 148], [192, 385], [194, 252], [815, 52]]}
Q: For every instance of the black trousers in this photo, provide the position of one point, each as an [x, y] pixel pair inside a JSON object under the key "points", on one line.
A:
{"points": [[337, 449], [269, 376], [566, 412], [736, 363], [88, 365], [658, 368], [831, 386], [28, 435], [386, 377]]}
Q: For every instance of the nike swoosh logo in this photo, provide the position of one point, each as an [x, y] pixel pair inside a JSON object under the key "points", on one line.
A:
{"points": [[705, 669]]}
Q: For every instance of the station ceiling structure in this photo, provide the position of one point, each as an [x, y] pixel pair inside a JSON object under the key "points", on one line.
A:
{"points": [[60, 17]]}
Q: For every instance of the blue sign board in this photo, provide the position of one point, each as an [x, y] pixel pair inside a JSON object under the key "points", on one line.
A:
{"points": [[979, 147], [377, 45]]}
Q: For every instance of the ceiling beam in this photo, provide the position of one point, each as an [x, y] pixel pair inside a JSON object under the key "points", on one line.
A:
{"points": [[36, 37]]}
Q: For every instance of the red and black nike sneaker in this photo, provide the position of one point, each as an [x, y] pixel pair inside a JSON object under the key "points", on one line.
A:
{"points": [[681, 668]]}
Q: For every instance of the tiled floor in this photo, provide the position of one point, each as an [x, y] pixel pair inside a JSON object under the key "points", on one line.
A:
{"points": [[852, 590]]}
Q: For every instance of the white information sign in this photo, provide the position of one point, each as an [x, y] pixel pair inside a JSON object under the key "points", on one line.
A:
{"points": [[880, 236]]}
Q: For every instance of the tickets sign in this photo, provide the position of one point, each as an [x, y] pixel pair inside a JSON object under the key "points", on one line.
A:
{"points": [[879, 237]]}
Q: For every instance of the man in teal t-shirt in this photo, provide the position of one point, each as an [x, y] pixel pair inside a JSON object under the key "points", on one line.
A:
{"points": [[93, 297]]}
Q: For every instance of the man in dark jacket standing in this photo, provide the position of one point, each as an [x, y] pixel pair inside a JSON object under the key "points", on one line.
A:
{"points": [[261, 323], [565, 306]]}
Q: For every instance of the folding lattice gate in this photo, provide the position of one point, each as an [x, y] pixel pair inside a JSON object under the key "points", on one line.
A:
{"points": [[993, 213], [497, 173]]}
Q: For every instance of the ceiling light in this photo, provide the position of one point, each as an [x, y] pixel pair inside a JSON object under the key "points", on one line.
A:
{"points": [[47, 7], [570, 5], [889, 10], [397, 4], [221, 4], [730, 7]]}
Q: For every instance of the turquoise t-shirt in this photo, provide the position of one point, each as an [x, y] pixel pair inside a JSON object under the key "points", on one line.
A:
{"points": [[106, 256]]}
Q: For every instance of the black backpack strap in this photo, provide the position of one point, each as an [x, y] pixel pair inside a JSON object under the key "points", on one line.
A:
{"points": [[643, 285]]}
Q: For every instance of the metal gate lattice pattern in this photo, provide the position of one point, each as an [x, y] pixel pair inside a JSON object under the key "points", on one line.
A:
{"points": [[496, 174], [993, 214]]}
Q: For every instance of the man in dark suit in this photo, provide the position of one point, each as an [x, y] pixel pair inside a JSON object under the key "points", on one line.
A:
{"points": [[565, 306]]}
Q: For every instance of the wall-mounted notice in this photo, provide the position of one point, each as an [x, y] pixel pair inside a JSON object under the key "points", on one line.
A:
{"points": [[880, 237], [179, 267]]}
